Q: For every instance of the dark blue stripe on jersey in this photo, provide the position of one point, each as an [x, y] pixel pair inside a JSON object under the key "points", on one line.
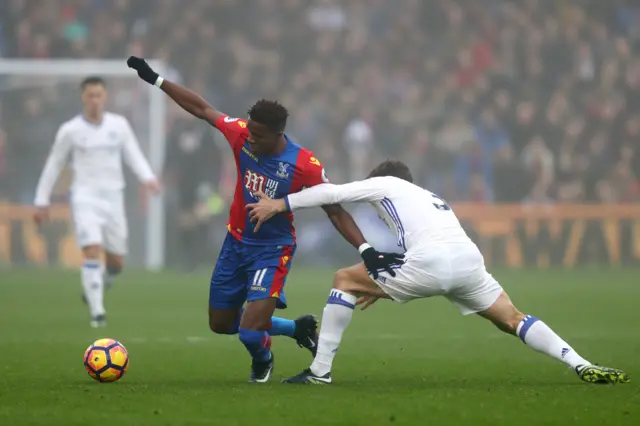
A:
{"points": [[389, 207]]}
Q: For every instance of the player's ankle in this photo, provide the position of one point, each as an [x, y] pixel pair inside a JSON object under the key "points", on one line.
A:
{"points": [[320, 369]]}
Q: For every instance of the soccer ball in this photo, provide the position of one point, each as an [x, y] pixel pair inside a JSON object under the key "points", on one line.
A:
{"points": [[106, 360]]}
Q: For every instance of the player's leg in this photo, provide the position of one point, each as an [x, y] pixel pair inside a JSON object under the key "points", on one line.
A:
{"points": [[348, 284], [267, 276], [88, 227], [535, 333], [93, 285], [228, 289], [540, 337], [480, 293], [114, 264], [228, 292], [116, 234], [257, 327], [253, 334]]}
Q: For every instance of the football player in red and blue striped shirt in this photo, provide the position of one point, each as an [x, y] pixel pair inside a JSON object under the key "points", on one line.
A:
{"points": [[253, 266]]}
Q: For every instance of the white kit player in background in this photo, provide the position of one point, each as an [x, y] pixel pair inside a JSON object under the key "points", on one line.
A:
{"points": [[96, 141], [440, 260]]}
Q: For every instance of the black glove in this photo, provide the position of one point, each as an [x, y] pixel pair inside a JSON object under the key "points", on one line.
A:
{"points": [[376, 261], [144, 70]]}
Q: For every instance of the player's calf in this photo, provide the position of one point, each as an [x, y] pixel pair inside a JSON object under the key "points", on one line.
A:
{"points": [[504, 315], [114, 264], [253, 334], [93, 285]]}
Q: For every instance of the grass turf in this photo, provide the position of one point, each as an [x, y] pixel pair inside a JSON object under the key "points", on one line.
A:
{"points": [[420, 363]]}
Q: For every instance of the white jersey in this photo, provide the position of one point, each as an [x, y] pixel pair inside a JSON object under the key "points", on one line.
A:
{"points": [[96, 156], [440, 259], [418, 218]]}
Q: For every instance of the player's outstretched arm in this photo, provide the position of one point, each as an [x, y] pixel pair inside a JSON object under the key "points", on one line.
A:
{"points": [[320, 195], [189, 100]]}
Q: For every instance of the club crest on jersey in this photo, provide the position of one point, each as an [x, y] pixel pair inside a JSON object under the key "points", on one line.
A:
{"points": [[283, 170], [256, 182]]}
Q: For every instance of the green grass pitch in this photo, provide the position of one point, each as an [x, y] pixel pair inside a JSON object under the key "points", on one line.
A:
{"points": [[415, 364]]}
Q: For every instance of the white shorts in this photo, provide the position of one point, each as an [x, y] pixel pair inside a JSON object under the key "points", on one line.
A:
{"points": [[101, 221], [455, 271]]}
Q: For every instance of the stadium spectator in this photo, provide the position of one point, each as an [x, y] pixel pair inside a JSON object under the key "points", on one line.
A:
{"points": [[460, 90]]}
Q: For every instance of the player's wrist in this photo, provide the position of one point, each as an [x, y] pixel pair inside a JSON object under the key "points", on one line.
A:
{"points": [[287, 206], [159, 81], [363, 247]]}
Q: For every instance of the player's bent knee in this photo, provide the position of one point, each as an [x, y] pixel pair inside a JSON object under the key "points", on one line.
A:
{"points": [[222, 327], [223, 324], [341, 279]]}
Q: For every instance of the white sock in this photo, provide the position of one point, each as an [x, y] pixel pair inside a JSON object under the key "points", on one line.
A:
{"points": [[93, 286], [335, 319], [541, 338]]}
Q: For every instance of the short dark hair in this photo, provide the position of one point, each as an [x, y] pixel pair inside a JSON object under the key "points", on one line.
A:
{"points": [[270, 113], [91, 80], [392, 168]]}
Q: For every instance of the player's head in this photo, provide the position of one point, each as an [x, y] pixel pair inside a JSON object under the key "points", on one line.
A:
{"points": [[392, 168], [94, 95], [267, 120]]}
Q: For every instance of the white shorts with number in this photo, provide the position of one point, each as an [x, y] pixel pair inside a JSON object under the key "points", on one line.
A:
{"points": [[455, 271], [99, 219]]}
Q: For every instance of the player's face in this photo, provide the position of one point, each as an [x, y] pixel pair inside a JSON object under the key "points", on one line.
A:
{"points": [[262, 140], [94, 98]]}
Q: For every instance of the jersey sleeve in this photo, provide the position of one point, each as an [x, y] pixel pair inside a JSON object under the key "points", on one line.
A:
{"points": [[361, 191], [311, 172], [133, 154], [52, 168], [233, 129]]}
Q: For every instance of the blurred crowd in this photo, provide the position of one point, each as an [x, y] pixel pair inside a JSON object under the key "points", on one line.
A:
{"points": [[487, 100]]}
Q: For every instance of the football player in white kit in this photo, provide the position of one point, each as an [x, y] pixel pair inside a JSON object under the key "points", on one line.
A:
{"points": [[96, 141], [440, 260]]}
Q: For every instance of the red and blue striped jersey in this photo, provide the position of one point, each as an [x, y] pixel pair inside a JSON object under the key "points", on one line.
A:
{"points": [[277, 176]]}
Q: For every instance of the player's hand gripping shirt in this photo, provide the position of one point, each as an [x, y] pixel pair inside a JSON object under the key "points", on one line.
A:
{"points": [[418, 217], [277, 176], [96, 152]]}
